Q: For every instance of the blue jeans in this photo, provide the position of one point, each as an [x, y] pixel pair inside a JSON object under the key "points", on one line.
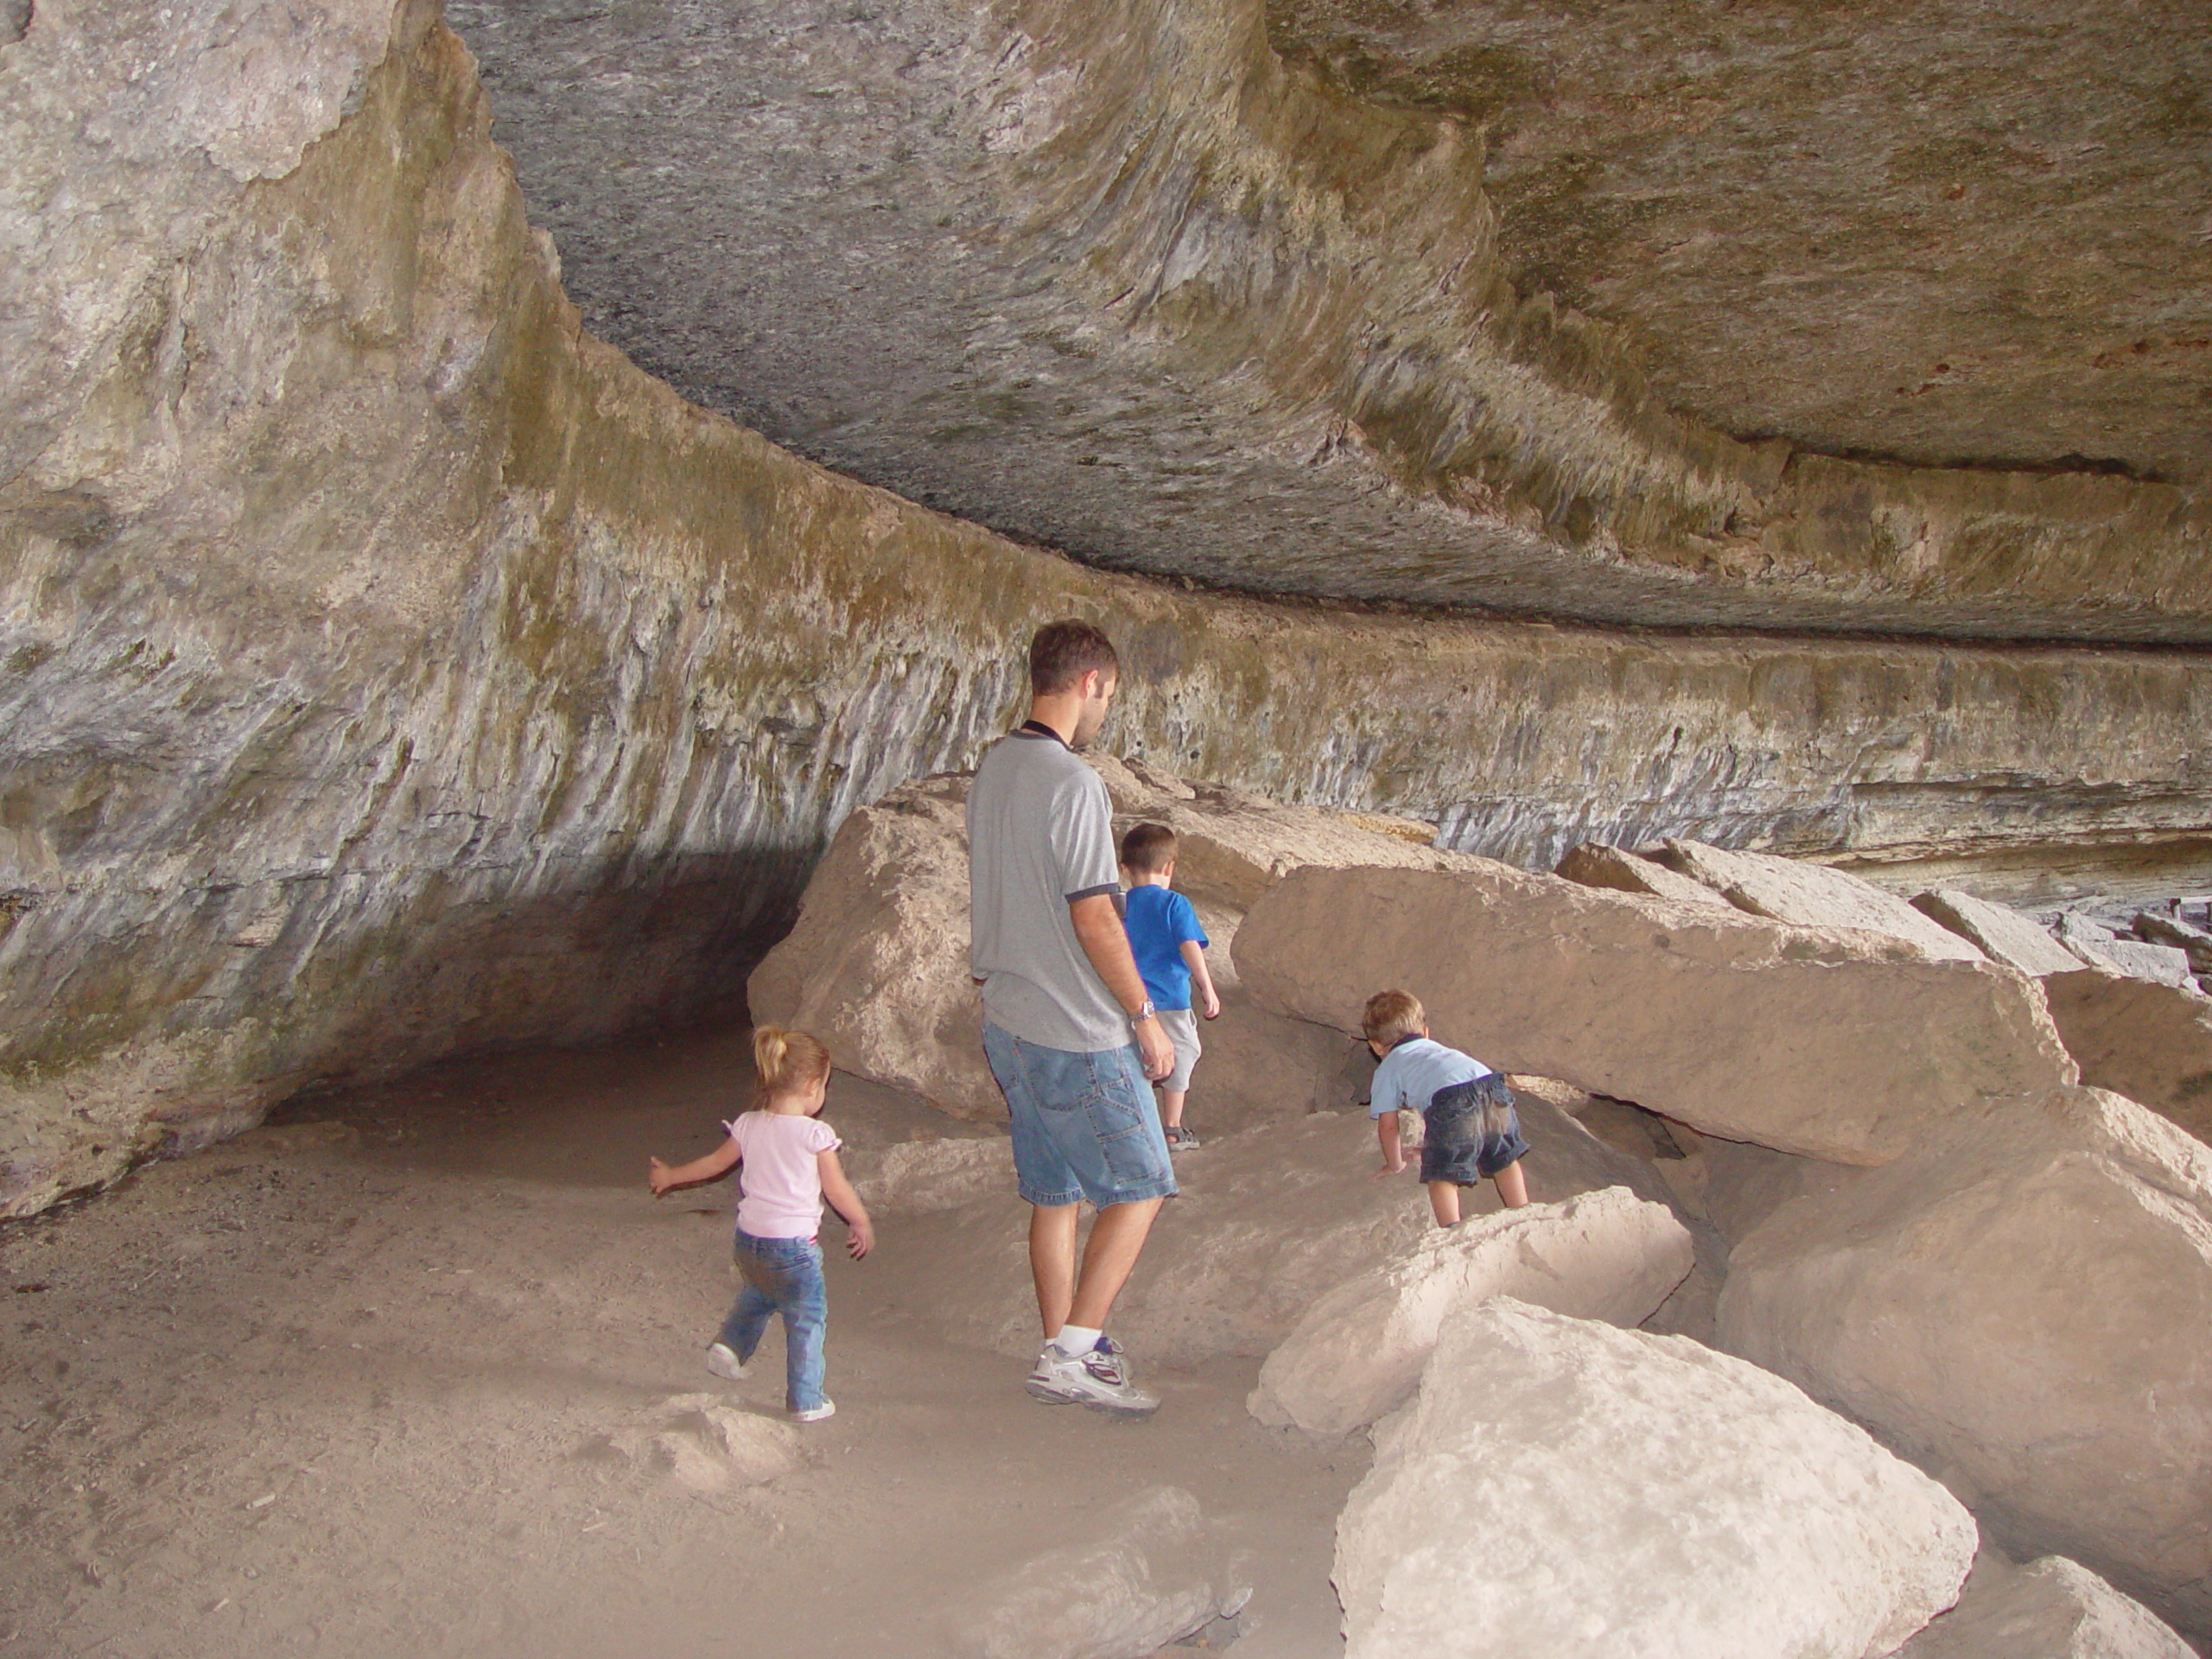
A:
{"points": [[783, 1275], [1085, 1125]]}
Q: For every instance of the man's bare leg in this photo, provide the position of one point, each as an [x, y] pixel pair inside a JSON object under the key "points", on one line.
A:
{"points": [[1051, 1263], [1116, 1240]]}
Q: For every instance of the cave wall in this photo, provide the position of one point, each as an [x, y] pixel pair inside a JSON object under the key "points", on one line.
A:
{"points": [[389, 668]]}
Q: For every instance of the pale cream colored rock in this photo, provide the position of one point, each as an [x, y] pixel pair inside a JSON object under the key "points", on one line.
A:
{"points": [[1805, 1041], [1560, 1489], [2160, 964], [2021, 1302], [1812, 895], [2051, 1609], [1358, 1350], [2150, 1042], [1998, 932], [1153, 1570], [1593, 864], [1745, 1184]]}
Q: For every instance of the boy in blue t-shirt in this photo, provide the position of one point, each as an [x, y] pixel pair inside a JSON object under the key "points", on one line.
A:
{"points": [[1170, 948], [1469, 1131]]}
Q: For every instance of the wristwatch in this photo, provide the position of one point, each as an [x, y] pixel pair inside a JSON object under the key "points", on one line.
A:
{"points": [[1142, 1014]]}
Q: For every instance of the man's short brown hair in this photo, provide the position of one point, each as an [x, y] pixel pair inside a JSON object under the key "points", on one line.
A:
{"points": [[1063, 651], [1148, 848], [1392, 1015]]}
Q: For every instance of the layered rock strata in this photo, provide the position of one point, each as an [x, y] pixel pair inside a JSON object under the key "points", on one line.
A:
{"points": [[387, 667]]}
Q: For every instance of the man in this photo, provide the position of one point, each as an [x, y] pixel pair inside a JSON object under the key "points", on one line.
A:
{"points": [[1070, 1033]]}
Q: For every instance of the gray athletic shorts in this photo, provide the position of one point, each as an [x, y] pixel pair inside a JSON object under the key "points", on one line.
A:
{"points": [[1181, 1025]]}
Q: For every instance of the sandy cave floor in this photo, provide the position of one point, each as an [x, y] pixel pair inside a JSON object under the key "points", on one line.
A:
{"points": [[350, 1385]]}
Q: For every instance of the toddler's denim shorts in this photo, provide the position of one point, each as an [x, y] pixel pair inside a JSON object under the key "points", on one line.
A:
{"points": [[1085, 1125], [1470, 1132]]}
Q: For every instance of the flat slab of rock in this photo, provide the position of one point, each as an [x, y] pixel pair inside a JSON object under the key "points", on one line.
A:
{"points": [[1838, 1045], [1813, 895], [1593, 864], [1358, 1351], [1560, 1487], [2152, 1043], [1998, 932], [2023, 1301], [2051, 1609], [1153, 1571]]}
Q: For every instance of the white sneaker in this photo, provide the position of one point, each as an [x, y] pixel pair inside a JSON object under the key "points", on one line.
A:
{"points": [[816, 1414], [1098, 1379], [722, 1360]]}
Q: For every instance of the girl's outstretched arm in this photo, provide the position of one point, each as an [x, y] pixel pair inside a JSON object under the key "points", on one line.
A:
{"points": [[714, 1163], [860, 1232]]}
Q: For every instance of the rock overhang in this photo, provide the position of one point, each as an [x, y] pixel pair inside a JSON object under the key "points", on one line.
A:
{"points": [[1292, 298]]}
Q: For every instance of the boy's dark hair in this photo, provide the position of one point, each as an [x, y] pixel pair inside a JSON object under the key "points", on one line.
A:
{"points": [[1391, 1015], [1148, 848], [1063, 651]]}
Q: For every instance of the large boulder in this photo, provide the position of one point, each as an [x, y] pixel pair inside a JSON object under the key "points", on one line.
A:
{"points": [[1357, 1352], [1813, 895], [2099, 946], [1998, 932], [877, 963], [1821, 1043], [1563, 1488], [2150, 1042], [2022, 1303], [2051, 1609]]}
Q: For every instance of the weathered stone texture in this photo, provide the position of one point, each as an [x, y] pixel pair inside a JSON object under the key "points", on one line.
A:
{"points": [[2051, 1609], [2020, 1303], [2152, 1043], [1839, 1044], [1999, 932], [1115, 275], [1809, 895], [1357, 1352], [1560, 1487]]}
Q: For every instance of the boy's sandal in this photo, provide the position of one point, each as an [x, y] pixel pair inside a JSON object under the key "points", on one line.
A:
{"points": [[1180, 1138]]}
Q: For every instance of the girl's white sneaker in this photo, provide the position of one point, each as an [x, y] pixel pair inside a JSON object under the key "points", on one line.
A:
{"points": [[722, 1360]]}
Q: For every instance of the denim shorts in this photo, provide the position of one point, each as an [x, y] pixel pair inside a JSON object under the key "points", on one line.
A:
{"points": [[1470, 1132], [1085, 1125]]}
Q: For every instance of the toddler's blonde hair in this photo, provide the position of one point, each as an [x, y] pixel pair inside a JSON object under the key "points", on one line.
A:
{"points": [[1391, 1015], [788, 1062]]}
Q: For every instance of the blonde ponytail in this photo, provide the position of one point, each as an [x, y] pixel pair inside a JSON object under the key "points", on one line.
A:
{"points": [[788, 1061]]}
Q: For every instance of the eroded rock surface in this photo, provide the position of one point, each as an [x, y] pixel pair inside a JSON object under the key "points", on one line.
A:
{"points": [[1820, 1042], [1155, 1571], [1558, 1486], [2150, 1042], [1808, 895], [1999, 932], [1357, 1352], [2051, 1609], [2020, 1302]]}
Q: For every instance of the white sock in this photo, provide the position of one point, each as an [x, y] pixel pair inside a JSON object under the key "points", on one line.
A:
{"points": [[1075, 1339]]}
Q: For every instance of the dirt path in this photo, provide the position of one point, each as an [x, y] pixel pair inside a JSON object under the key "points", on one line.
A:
{"points": [[372, 1382]]}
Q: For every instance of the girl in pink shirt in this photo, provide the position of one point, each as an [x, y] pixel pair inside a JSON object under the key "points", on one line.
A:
{"points": [[790, 1159]]}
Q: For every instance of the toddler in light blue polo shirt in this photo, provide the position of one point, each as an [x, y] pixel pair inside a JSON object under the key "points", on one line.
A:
{"points": [[1469, 1131]]}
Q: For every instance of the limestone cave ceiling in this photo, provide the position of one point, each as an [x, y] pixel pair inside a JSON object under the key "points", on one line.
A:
{"points": [[1870, 317]]}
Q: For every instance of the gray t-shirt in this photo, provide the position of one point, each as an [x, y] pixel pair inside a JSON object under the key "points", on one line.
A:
{"points": [[1040, 834]]}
